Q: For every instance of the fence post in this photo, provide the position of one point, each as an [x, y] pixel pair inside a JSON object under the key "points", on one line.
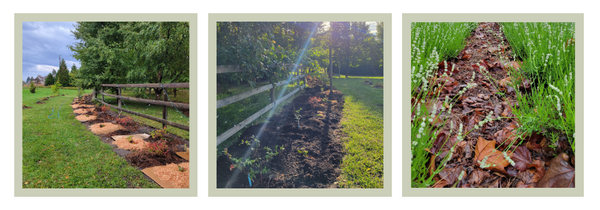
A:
{"points": [[272, 89], [165, 107], [119, 99], [102, 92]]}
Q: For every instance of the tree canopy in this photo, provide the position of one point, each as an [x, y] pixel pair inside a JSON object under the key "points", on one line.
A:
{"points": [[262, 48], [63, 73], [49, 80], [131, 52]]}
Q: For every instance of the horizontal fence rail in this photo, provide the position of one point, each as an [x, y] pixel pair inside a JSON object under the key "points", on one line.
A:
{"points": [[235, 98], [166, 103], [221, 69], [151, 85], [248, 120], [232, 99], [150, 101]]}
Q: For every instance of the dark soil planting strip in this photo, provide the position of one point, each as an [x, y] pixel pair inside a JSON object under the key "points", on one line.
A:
{"points": [[494, 93], [312, 151]]}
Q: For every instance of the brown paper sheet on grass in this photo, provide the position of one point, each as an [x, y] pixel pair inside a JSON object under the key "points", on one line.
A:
{"points": [[169, 176], [141, 136], [105, 129], [83, 118], [123, 143], [76, 106], [184, 155], [81, 111]]}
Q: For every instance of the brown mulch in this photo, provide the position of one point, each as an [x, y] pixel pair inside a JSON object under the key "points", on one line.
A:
{"points": [[493, 93], [139, 158]]}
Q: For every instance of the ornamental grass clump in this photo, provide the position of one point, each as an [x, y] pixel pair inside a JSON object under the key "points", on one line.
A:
{"points": [[548, 55], [431, 43]]}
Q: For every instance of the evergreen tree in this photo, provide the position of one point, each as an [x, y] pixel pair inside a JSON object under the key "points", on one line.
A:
{"points": [[63, 73], [53, 71], [49, 80]]}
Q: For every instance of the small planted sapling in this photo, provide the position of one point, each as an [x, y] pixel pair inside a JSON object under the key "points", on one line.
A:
{"points": [[298, 116], [303, 152]]}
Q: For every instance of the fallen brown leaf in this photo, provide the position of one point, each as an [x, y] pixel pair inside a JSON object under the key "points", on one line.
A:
{"points": [[522, 158], [559, 174], [495, 158], [478, 175]]}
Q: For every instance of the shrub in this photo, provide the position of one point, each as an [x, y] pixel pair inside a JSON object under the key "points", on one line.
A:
{"points": [[56, 87], [124, 121], [159, 133], [32, 88], [105, 108], [159, 148]]}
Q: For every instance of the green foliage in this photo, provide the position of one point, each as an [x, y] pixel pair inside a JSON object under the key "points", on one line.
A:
{"points": [[63, 73], [56, 87], [262, 49], [131, 52], [548, 54], [253, 166], [303, 152], [49, 80], [430, 44], [32, 87]]}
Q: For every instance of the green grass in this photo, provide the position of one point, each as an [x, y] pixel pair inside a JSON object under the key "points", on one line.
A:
{"points": [[356, 77], [431, 43], [548, 53], [234, 113], [63, 153], [362, 166]]}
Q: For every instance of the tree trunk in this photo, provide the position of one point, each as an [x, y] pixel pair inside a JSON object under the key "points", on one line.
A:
{"points": [[330, 70]]}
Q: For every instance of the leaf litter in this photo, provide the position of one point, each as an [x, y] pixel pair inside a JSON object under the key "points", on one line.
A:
{"points": [[492, 154]]}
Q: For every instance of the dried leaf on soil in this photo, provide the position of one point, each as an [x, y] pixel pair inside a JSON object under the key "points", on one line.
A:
{"points": [[451, 174], [522, 158], [559, 173], [495, 158]]}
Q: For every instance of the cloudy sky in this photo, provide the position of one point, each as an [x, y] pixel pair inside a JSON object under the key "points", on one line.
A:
{"points": [[43, 42]]}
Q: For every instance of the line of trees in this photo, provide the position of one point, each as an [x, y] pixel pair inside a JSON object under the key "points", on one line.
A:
{"points": [[131, 52], [260, 48]]}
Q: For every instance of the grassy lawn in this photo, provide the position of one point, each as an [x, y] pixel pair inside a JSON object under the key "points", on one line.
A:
{"points": [[63, 153], [362, 166], [154, 110]]}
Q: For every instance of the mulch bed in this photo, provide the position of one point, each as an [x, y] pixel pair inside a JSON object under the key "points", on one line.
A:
{"points": [[141, 159], [534, 158], [319, 135]]}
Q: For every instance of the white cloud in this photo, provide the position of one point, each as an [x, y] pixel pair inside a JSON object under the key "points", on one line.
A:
{"points": [[45, 68], [70, 63]]}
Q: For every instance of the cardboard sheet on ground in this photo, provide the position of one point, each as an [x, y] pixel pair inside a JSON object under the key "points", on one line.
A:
{"points": [[106, 128], [141, 136], [81, 111], [76, 106], [168, 176], [184, 155], [83, 118], [123, 142]]}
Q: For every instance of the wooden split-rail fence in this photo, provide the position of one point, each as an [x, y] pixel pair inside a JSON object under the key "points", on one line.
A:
{"points": [[232, 99], [166, 103]]}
